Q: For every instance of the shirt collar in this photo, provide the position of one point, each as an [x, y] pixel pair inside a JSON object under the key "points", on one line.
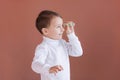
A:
{"points": [[51, 41]]}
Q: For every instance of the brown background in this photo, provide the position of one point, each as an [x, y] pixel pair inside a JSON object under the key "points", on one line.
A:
{"points": [[97, 25]]}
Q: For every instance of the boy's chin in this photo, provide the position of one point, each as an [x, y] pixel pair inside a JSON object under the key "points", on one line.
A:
{"points": [[58, 38]]}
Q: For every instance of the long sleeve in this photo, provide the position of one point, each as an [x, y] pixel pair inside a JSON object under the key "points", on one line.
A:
{"points": [[38, 64], [74, 46]]}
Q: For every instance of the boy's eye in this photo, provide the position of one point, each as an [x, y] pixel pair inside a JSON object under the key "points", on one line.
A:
{"points": [[58, 26]]}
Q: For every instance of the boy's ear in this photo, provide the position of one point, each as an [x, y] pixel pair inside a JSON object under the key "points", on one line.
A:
{"points": [[45, 31]]}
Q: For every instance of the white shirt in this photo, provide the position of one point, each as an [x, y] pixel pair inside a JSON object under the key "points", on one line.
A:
{"points": [[55, 52]]}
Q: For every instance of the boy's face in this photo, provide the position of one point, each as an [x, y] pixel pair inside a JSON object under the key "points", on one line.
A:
{"points": [[55, 30]]}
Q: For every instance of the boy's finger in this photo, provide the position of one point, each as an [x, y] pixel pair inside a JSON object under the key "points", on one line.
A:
{"points": [[59, 67], [69, 27]]}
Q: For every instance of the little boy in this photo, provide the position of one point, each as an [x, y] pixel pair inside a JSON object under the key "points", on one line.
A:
{"points": [[51, 58]]}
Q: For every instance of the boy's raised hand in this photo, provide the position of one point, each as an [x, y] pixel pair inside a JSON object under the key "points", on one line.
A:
{"points": [[55, 69], [69, 27]]}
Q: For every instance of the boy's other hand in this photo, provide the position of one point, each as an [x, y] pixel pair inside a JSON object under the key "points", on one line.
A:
{"points": [[55, 69]]}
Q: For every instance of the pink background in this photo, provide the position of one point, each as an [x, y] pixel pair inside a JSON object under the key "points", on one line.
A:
{"points": [[97, 26]]}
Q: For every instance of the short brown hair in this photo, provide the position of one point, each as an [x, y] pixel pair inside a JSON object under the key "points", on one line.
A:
{"points": [[44, 18]]}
